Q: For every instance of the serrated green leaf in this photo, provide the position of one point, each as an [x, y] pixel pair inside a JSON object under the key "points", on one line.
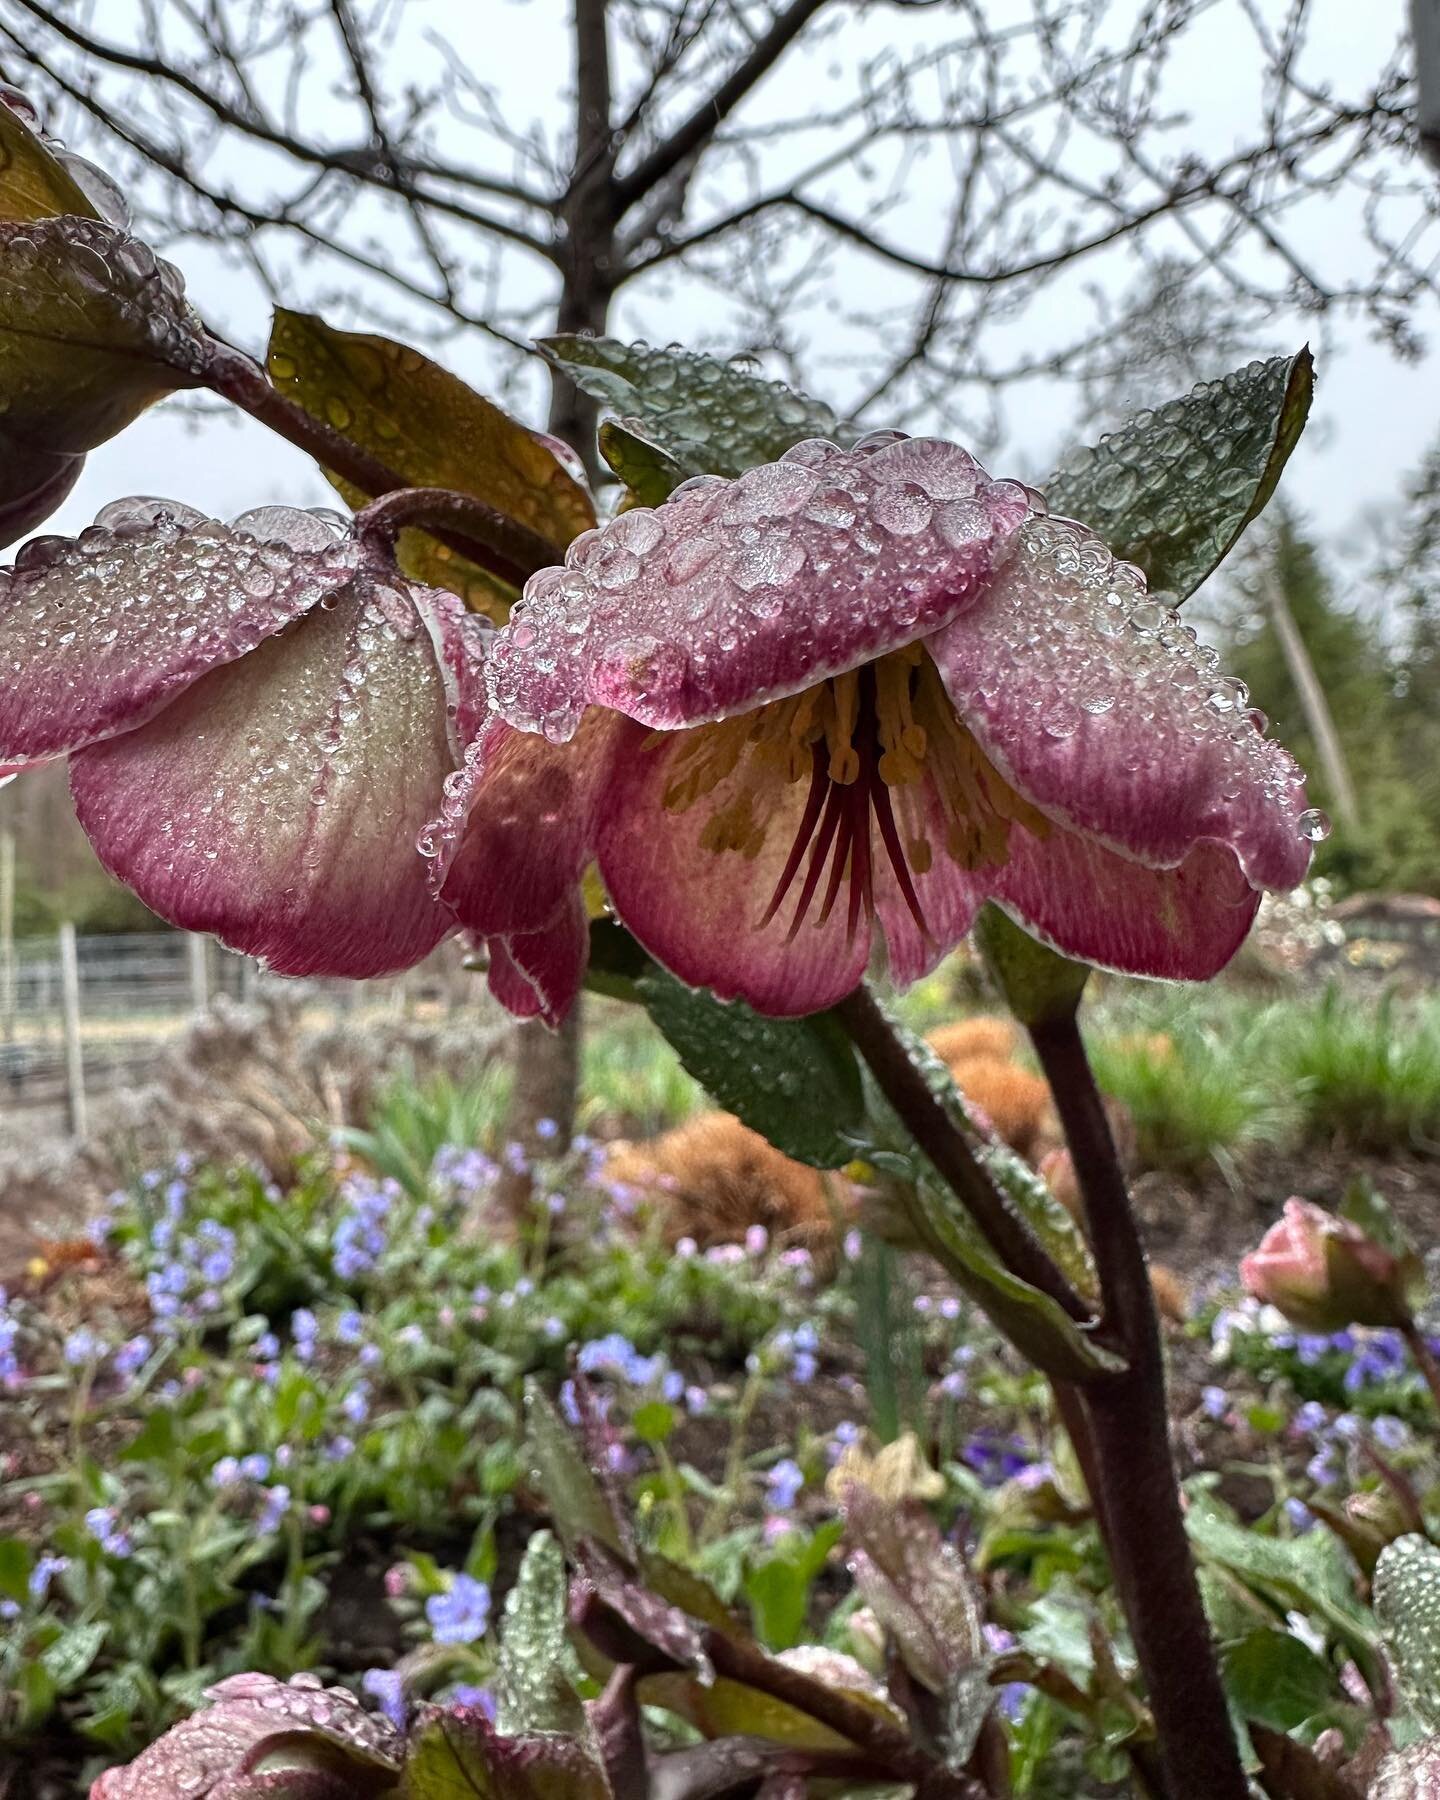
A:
{"points": [[538, 1667], [708, 416], [795, 1081], [1274, 1678], [1173, 488], [1407, 1604], [1310, 1574], [576, 1499]]}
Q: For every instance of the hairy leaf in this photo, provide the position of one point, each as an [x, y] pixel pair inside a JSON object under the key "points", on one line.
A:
{"points": [[915, 1583], [1407, 1604], [538, 1667], [795, 1081], [456, 1754], [578, 1503], [436, 431], [1272, 1677], [1173, 488], [707, 416]]}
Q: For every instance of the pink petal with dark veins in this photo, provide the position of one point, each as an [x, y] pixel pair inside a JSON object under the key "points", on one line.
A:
{"points": [[1098, 705], [699, 912], [278, 801], [736, 592]]}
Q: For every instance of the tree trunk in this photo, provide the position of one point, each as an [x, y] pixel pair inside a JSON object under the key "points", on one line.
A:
{"points": [[547, 1063]]}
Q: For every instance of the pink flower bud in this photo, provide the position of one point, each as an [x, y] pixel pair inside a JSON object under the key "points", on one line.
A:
{"points": [[1324, 1273], [319, 1515]]}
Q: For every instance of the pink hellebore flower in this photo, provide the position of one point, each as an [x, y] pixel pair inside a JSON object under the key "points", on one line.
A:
{"points": [[259, 1737], [260, 718], [1325, 1273], [853, 695]]}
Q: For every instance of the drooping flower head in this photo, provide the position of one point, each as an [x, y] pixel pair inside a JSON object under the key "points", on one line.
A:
{"points": [[1325, 1273], [848, 698], [260, 718]]}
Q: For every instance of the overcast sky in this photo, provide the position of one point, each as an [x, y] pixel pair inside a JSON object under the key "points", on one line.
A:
{"points": [[1374, 416]]}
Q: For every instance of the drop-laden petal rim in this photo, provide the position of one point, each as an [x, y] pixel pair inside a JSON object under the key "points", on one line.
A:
{"points": [[675, 650], [342, 895], [1149, 793]]}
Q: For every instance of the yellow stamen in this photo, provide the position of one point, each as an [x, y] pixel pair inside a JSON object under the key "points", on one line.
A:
{"points": [[890, 728]]}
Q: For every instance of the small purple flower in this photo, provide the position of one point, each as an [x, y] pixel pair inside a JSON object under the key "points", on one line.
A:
{"points": [[783, 1484], [131, 1357], [546, 1130], [339, 1448], [386, 1687], [482, 1699], [1214, 1402], [1389, 1432], [461, 1615], [255, 1467], [44, 1572], [757, 1240], [82, 1346], [1299, 1515], [356, 1404], [103, 1524], [1311, 1419], [304, 1328], [272, 1513]]}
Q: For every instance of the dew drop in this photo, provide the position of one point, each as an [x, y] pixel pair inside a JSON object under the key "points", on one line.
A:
{"points": [[1314, 825]]}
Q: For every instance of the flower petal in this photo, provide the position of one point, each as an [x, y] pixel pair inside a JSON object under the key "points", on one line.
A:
{"points": [[537, 974], [1180, 924], [98, 632], [1099, 706], [278, 801], [1085, 900], [699, 911], [518, 827], [736, 592]]}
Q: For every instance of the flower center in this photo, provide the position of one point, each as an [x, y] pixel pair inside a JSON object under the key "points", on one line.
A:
{"points": [[881, 747]]}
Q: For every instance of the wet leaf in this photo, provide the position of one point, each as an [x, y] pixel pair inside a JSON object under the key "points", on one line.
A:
{"points": [[436, 431], [795, 1081], [34, 183], [705, 415], [915, 1583], [456, 1754], [649, 472], [538, 1668], [1407, 1604], [1272, 1677], [69, 1658], [579, 1505], [93, 329], [1173, 488]]}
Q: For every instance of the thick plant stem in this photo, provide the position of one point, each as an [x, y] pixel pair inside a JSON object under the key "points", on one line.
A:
{"points": [[936, 1134], [443, 509], [514, 554], [1139, 1501]]}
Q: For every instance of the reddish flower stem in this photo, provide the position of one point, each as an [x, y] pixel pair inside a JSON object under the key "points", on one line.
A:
{"points": [[1138, 1504], [1424, 1359], [487, 538], [441, 510], [933, 1130]]}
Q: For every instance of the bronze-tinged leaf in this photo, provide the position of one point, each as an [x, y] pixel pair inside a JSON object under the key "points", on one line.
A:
{"points": [[34, 184], [93, 329], [435, 431]]}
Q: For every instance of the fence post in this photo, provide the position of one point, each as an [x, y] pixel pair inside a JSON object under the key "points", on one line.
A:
{"points": [[74, 1059], [199, 972]]}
